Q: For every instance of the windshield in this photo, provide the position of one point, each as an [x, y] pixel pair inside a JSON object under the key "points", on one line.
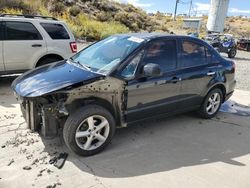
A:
{"points": [[103, 56]]}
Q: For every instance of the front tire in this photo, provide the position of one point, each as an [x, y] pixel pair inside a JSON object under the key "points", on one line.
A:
{"points": [[89, 130], [211, 104]]}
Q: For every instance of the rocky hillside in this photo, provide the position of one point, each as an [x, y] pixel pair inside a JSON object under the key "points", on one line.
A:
{"points": [[91, 19]]}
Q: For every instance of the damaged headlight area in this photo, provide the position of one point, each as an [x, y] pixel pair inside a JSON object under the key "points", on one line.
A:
{"points": [[45, 114]]}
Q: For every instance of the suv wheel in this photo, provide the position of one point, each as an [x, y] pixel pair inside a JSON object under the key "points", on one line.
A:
{"points": [[47, 61], [211, 104], [89, 130]]}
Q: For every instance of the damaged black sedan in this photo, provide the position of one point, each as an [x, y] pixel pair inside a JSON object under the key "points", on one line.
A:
{"points": [[121, 80]]}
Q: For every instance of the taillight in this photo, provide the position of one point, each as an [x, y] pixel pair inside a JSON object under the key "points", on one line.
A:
{"points": [[73, 47]]}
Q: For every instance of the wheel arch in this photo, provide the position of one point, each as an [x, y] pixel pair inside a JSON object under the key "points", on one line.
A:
{"points": [[76, 104], [220, 86], [56, 56]]}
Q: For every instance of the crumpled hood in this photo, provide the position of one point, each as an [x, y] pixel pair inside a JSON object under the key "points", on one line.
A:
{"points": [[49, 78]]}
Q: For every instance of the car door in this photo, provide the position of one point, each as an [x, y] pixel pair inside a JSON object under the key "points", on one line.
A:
{"points": [[1, 47], [23, 45], [150, 96], [197, 72]]}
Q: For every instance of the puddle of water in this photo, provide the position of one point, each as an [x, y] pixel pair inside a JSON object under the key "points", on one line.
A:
{"points": [[235, 108]]}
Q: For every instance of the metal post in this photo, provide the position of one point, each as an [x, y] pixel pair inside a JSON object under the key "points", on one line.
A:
{"points": [[189, 13], [176, 4]]}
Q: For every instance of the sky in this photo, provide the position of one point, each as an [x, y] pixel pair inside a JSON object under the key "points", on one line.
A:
{"points": [[236, 7]]}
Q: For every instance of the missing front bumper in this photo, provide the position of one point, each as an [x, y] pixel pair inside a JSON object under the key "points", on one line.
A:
{"points": [[41, 119]]}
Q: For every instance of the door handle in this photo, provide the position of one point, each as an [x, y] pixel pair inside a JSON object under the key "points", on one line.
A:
{"points": [[36, 45], [175, 79], [210, 73]]}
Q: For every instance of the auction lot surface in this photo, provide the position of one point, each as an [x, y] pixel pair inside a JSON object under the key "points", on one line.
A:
{"points": [[180, 151]]}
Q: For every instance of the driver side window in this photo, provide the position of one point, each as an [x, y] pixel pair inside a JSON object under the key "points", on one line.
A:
{"points": [[130, 70]]}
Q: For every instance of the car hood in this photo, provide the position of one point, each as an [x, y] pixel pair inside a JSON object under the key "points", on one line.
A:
{"points": [[49, 78]]}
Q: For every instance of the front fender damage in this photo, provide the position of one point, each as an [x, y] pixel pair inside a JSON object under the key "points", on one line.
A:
{"points": [[60, 104], [109, 89]]}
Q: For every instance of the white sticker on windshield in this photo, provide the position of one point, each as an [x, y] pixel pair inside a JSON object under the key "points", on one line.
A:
{"points": [[136, 39]]}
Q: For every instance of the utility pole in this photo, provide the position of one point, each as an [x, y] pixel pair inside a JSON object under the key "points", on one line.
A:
{"points": [[189, 13], [176, 4]]}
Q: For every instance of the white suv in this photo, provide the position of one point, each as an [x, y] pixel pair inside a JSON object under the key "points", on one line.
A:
{"points": [[30, 41]]}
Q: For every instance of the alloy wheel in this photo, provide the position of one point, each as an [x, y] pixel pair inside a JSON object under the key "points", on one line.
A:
{"points": [[213, 103], [92, 132]]}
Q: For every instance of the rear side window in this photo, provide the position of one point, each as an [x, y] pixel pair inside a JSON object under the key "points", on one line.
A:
{"points": [[55, 31], [21, 31], [193, 54], [163, 53]]}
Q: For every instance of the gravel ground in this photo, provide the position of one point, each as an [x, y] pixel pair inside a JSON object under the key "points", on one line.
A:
{"points": [[180, 151], [242, 61]]}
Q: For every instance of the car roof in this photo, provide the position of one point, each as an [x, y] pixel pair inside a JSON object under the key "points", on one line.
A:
{"points": [[145, 35], [151, 36], [35, 18]]}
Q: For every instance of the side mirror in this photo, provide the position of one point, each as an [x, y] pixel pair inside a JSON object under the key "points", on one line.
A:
{"points": [[151, 70]]}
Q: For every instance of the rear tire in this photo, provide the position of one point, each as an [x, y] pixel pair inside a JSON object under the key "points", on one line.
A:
{"points": [[211, 105], [89, 130], [232, 53]]}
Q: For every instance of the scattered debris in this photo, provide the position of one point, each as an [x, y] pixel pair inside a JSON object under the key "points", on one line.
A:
{"points": [[26, 168], [11, 161], [43, 170], [21, 138], [43, 159], [54, 185], [29, 156], [59, 161], [49, 171], [53, 160], [22, 150], [35, 162], [12, 116]]}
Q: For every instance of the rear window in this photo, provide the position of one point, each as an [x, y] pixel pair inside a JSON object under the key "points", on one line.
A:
{"points": [[21, 31], [55, 31]]}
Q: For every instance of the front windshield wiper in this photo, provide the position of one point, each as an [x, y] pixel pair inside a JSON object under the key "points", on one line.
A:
{"points": [[82, 65]]}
